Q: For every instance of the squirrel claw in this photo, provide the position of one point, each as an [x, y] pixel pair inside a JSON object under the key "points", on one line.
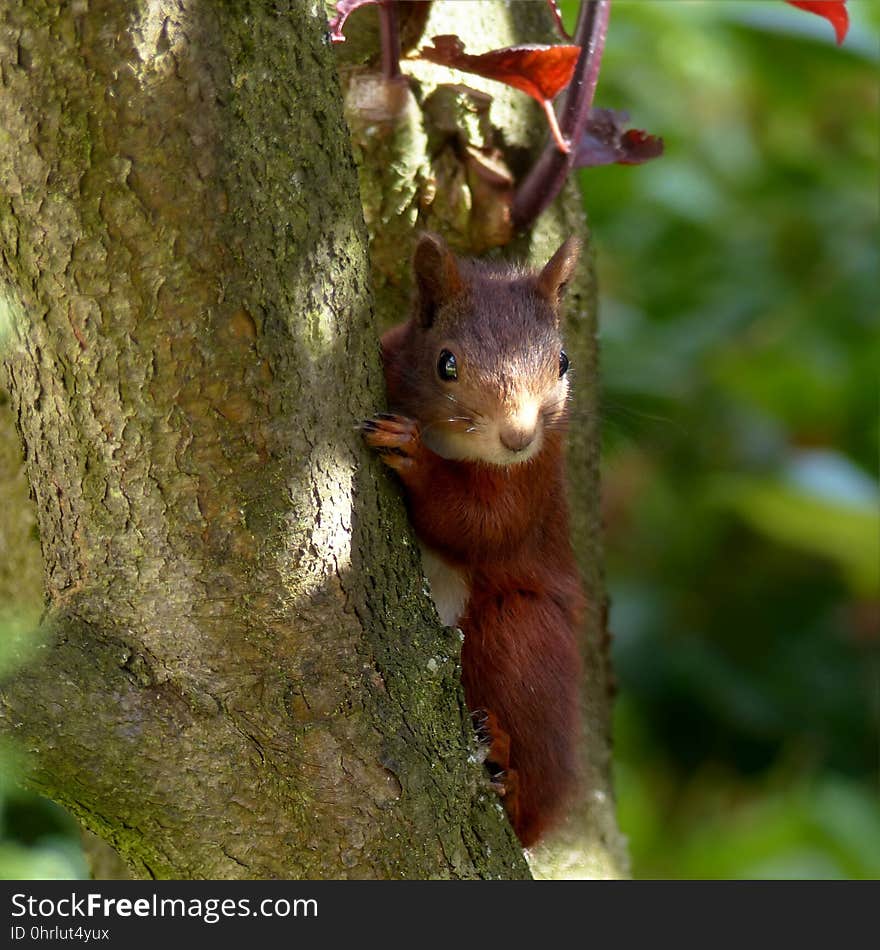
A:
{"points": [[503, 780], [489, 733], [506, 786], [395, 438], [497, 784], [480, 719]]}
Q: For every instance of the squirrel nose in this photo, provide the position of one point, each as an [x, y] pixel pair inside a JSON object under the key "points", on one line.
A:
{"points": [[517, 440], [520, 428]]}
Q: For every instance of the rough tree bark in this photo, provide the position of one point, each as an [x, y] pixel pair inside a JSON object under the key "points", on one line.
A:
{"points": [[242, 676]]}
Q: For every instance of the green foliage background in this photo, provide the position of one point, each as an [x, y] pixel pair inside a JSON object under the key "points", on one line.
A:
{"points": [[739, 306], [740, 353], [38, 840]]}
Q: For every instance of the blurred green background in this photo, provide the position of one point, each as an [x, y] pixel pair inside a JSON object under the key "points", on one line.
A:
{"points": [[740, 353], [739, 278], [38, 840]]}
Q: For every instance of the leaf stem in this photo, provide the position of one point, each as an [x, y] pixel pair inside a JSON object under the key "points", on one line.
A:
{"points": [[389, 28], [557, 16]]}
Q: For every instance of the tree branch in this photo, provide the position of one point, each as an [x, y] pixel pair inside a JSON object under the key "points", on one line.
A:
{"points": [[244, 677], [546, 178], [389, 28]]}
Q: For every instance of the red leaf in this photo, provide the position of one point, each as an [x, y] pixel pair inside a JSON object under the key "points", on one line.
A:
{"points": [[540, 71], [606, 143], [833, 10], [344, 9], [637, 147]]}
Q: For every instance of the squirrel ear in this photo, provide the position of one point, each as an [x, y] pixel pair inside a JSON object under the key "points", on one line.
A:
{"points": [[437, 276], [558, 271]]}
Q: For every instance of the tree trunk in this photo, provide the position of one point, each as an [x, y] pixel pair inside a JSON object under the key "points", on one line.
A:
{"points": [[21, 570], [242, 675]]}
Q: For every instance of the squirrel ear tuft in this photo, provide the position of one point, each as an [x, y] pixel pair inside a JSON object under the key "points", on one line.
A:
{"points": [[558, 271], [437, 276]]}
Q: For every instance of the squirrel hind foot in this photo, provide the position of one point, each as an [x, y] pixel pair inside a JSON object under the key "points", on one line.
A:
{"points": [[503, 779]]}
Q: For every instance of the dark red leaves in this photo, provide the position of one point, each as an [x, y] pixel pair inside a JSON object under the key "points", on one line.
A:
{"points": [[540, 71], [833, 10], [344, 9], [605, 142]]}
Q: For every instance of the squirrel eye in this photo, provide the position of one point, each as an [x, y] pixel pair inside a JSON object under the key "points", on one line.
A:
{"points": [[446, 366], [563, 363]]}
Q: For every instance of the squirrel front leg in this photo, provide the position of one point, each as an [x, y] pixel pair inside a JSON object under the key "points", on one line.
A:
{"points": [[427, 478], [445, 504]]}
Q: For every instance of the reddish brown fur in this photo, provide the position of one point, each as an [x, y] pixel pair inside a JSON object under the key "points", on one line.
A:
{"points": [[506, 528]]}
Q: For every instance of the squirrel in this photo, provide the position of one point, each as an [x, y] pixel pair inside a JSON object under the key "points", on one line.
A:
{"points": [[477, 381]]}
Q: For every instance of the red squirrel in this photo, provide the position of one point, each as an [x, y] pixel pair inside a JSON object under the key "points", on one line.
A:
{"points": [[477, 381]]}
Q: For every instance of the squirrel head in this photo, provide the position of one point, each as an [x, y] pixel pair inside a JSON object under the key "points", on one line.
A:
{"points": [[484, 370]]}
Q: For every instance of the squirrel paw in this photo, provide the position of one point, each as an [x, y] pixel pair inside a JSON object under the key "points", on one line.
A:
{"points": [[503, 779], [395, 438], [506, 786], [493, 738]]}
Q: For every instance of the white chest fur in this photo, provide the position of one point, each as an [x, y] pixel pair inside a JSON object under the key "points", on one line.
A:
{"points": [[449, 587]]}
